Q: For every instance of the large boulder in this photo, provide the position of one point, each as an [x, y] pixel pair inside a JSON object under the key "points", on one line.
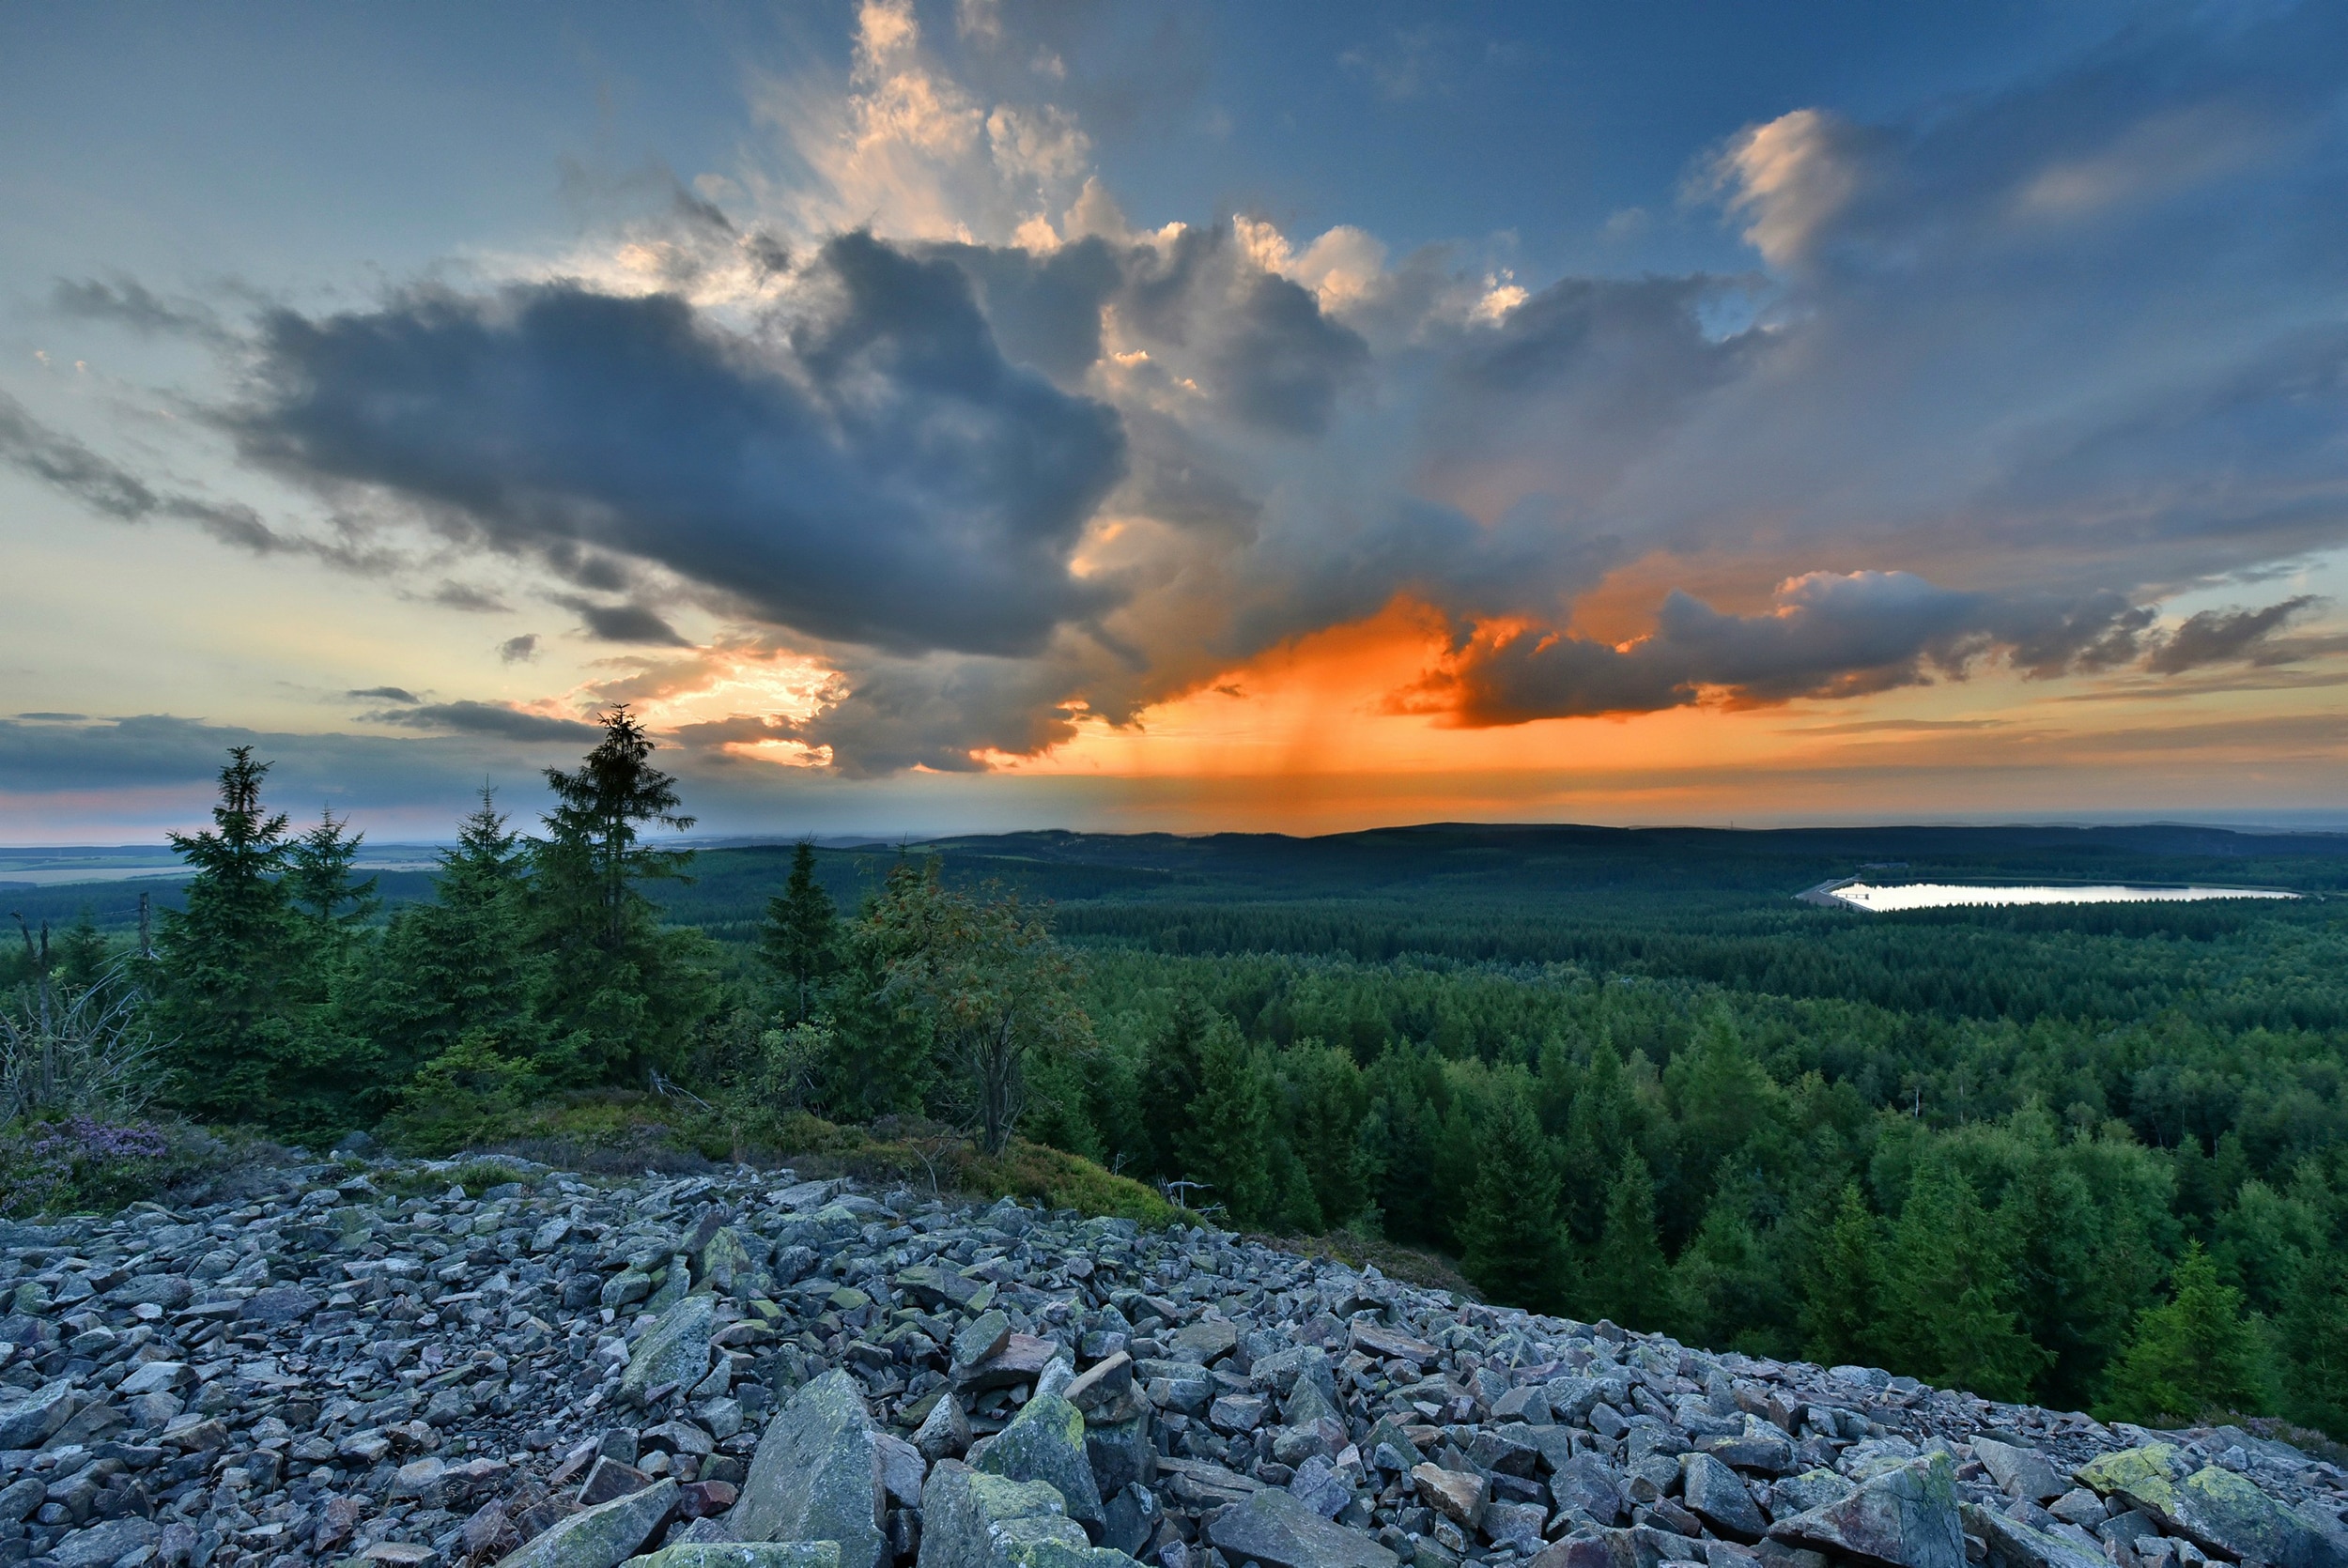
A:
{"points": [[817, 1476], [743, 1554], [1904, 1518], [2215, 1508], [1717, 1495], [971, 1519], [674, 1352], [2019, 1472], [1046, 1442], [1273, 1527], [603, 1536]]}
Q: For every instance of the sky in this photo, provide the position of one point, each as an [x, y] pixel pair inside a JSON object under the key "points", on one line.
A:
{"points": [[978, 415]]}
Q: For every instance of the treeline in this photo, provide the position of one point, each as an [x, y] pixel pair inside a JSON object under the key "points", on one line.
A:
{"points": [[2260, 966]]}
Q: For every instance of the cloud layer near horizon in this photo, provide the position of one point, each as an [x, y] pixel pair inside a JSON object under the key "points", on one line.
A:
{"points": [[2005, 377]]}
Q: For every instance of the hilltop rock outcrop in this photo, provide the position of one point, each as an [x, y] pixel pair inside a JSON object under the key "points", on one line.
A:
{"points": [[749, 1371]]}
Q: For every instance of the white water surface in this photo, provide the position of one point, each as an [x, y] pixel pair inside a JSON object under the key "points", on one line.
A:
{"points": [[1948, 895]]}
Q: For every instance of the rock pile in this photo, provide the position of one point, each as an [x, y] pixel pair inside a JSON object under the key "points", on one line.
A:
{"points": [[751, 1372]]}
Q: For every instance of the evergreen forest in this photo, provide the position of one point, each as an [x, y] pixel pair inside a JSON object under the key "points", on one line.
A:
{"points": [[2095, 1157]]}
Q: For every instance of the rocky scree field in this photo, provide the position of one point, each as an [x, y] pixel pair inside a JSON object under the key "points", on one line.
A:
{"points": [[746, 1370]]}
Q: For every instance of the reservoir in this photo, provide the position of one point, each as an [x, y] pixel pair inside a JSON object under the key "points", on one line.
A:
{"points": [[1947, 894]]}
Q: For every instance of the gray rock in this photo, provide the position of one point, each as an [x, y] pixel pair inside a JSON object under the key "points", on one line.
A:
{"points": [[99, 1545], [675, 1353], [980, 1340], [944, 1432], [1905, 1518], [817, 1475], [2014, 1545], [1317, 1485], [2019, 1472], [27, 1421], [1811, 1489], [974, 1520], [1717, 1495], [1274, 1528], [1120, 1453], [600, 1537], [743, 1554], [1046, 1442]]}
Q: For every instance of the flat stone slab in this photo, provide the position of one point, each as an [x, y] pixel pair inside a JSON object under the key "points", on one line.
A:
{"points": [[1904, 1518], [1274, 1528], [600, 1537]]}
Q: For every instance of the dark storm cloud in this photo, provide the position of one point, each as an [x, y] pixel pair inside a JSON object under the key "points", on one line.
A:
{"points": [[1828, 637], [882, 475], [2219, 636], [624, 622], [164, 750], [1044, 311], [1282, 362], [489, 718]]}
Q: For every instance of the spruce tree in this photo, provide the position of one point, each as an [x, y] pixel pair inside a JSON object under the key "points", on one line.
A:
{"points": [[230, 963], [2196, 1355], [81, 956], [1325, 1106], [800, 942], [1843, 1295], [1515, 1244], [318, 883], [1225, 1132], [1629, 1279], [1600, 1128], [1951, 1295], [619, 993], [1169, 1082], [455, 965], [2314, 1333]]}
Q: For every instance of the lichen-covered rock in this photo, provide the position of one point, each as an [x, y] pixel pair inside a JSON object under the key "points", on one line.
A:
{"points": [[675, 1353], [971, 1519], [817, 1475], [1274, 1528], [1905, 1518], [2215, 1508], [743, 1554], [1046, 1442], [603, 1536]]}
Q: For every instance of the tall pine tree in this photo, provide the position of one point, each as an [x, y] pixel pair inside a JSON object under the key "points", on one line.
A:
{"points": [[231, 965], [1515, 1249], [619, 995], [2194, 1355], [800, 941], [1951, 1292], [1225, 1133], [1629, 1279]]}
